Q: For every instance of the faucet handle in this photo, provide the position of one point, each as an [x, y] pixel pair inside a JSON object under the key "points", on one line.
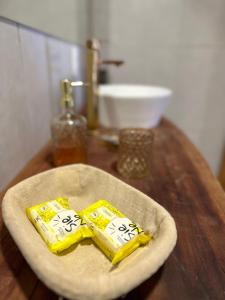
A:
{"points": [[93, 44], [112, 62]]}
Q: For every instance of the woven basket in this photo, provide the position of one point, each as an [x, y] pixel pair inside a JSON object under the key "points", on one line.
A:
{"points": [[85, 272]]}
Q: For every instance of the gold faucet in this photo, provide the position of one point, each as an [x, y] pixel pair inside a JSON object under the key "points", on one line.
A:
{"points": [[93, 63]]}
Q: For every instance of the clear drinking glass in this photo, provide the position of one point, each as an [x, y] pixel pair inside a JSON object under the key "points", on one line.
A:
{"points": [[135, 146]]}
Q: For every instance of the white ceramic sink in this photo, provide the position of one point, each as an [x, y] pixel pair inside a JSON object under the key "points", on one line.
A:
{"points": [[123, 105]]}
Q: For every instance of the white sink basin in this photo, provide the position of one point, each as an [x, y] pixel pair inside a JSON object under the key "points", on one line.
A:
{"points": [[123, 105]]}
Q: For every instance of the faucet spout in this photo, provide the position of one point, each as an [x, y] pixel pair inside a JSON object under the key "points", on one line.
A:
{"points": [[112, 62], [92, 65]]}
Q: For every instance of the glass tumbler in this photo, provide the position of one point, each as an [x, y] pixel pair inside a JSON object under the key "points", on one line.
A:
{"points": [[135, 146]]}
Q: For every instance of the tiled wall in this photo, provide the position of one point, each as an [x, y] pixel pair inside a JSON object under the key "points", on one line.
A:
{"points": [[178, 44], [68, 19], [31, 65]]}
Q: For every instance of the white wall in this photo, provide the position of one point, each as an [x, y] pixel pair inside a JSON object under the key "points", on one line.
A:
{"points": [[68, 19], [178, 44], [31, 66]]}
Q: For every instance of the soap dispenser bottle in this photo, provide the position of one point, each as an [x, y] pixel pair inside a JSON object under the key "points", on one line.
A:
{"points": [[69, 130]]}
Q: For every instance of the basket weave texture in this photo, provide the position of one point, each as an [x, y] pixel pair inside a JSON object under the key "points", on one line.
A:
{"points": [[85, 272]]}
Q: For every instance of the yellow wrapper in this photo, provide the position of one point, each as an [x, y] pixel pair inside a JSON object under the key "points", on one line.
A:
{"points": [[114, 233], [58, 224]]}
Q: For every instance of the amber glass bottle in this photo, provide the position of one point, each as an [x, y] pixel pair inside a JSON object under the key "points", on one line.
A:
{"points": [[69, 131]]}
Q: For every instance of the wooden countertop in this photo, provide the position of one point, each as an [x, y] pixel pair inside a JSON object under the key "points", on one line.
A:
{"points": [[182, 182]]}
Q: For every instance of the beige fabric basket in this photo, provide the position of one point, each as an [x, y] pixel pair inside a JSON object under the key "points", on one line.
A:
{"points": [[85, 273]]}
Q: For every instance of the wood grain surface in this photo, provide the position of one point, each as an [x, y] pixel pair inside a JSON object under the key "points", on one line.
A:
{"points": [[222, 172], [182, 182]]}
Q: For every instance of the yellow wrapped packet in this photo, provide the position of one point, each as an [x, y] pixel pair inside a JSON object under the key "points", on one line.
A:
{"points": [[58, 224], [114, 233]]}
